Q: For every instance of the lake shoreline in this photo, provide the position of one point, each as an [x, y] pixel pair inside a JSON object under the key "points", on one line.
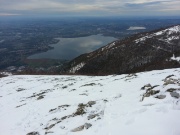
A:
{"points": [[69, 48]]}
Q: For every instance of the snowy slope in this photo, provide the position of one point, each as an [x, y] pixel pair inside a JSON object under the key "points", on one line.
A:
{"points": [[61, 105], [168, 34]]}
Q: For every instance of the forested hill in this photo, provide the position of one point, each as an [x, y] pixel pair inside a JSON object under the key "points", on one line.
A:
{"points": [[158, 49]]}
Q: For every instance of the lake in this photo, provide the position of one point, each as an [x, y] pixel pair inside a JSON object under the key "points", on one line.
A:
{"points": [[69, 48]]}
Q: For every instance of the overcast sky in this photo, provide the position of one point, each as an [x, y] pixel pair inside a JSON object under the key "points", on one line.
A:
{"points": [[90, 7]]}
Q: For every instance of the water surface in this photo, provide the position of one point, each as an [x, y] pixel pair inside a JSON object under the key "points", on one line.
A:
{"points": [[69, 48]]}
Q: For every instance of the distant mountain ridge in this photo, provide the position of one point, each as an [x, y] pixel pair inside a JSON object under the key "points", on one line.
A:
{"points": [[158, 49]]}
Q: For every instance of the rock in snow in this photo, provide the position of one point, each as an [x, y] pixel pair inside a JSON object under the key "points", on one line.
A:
{"points": [[80, 128], [175, 94], [161, 96], [33, 133], [87, 125], [91, 103], [40, 104]]}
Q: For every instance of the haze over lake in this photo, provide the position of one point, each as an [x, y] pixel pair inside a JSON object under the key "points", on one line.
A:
{"points": [[69, 48]]}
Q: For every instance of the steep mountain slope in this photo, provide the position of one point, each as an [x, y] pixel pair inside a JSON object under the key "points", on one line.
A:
{"points": [[131, 104], [147, 51]]}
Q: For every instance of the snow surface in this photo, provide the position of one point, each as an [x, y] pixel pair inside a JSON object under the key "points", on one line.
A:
{"points": [[136, 28], [108, 46], [175, 58], [119, 108], [77, 67], [5, 73], [170, 36], [111, 45]]}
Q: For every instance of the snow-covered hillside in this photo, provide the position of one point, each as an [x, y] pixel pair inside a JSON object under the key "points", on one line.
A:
{"points": [[130, 104], [169, 34]]}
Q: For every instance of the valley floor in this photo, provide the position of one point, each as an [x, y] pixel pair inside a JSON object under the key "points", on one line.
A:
{"points": [[145, 103]]}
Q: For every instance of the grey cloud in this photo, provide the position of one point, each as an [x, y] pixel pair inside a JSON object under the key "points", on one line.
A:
{"points": [[83, 7], [138, 5]]}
